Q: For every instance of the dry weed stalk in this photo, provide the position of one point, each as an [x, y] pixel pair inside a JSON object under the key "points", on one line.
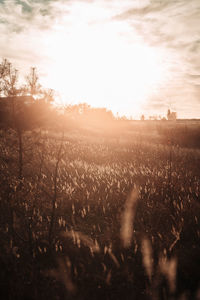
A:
{"points": [[63, 274], [168, 268], [128, 218], [79, 237], [147, 257]]}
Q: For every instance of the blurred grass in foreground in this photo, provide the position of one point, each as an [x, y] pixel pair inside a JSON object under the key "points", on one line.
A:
{"points": [[123, 216]]}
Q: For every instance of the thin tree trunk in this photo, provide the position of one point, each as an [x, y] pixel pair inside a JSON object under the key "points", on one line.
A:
{"points": [[20, 154], [54, 199]]}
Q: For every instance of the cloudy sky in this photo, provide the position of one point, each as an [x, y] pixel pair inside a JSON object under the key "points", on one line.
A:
{"points": [[132, 56]]}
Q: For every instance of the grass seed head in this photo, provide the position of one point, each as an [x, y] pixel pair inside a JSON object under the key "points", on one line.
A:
{"points": [[128, 218]]}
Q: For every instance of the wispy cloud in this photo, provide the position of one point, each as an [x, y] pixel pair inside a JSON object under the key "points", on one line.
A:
{"points": [[32, 30], [19, 16], [24, 27], [174, 26]]}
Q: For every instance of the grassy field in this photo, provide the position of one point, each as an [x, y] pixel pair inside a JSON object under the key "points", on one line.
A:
{"points": [[101, 214]]}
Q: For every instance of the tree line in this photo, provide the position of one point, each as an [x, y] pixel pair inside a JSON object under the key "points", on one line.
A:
{"points": [[29, 105]]}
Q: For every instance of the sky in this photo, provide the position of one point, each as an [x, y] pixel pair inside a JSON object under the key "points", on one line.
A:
{"points": [[132, 56]]}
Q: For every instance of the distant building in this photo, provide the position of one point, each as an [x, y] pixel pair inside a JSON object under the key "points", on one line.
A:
{"points": [[171, 116]]}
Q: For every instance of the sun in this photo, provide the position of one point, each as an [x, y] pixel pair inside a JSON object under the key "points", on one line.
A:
{"points": [[97, 64]]}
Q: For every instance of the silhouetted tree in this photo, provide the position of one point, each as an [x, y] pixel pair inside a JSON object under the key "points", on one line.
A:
{"points": [[8, 80], [4, 70], [23, 107], [32, 86], [87, 113]]}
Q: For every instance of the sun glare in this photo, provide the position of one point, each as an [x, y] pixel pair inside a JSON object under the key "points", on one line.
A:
{"points": [[99, 64]]}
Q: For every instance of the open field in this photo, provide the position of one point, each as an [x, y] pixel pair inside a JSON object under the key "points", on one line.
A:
{"points": [[111, 214]]}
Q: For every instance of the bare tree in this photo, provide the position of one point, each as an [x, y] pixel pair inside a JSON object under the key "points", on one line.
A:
{"points": [[32, 86], [4, 68]]}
